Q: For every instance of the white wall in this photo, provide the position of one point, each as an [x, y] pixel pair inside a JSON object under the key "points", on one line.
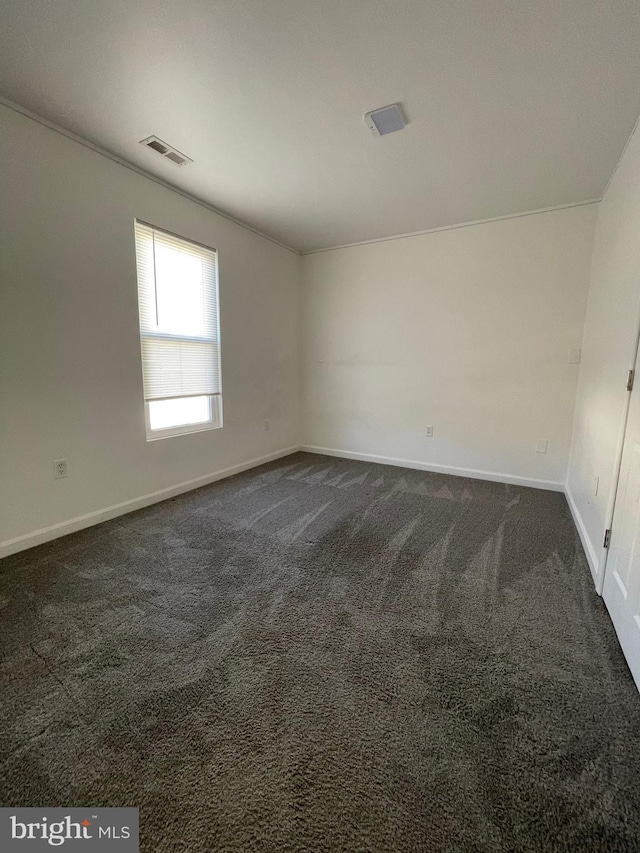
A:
{"points": [[466, 329], [608, 352], [70, 374]]}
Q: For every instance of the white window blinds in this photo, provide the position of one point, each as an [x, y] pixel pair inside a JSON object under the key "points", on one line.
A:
{"points": [[179, 329]]}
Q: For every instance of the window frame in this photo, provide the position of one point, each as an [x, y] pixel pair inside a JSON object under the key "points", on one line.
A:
{"points": [[215, 420]]}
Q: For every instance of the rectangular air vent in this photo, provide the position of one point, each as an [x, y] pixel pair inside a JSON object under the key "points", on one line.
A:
{"points": [[166, 151]]}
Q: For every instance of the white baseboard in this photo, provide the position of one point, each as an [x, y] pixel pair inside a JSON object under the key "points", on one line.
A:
{"points": [[589, 551], [512, 479], [46, 534]]}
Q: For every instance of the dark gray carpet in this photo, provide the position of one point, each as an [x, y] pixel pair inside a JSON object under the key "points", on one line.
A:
{"points": [[324, 655]]}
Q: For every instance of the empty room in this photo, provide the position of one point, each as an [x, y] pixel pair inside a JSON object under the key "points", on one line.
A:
{"points": [[319, 425]]}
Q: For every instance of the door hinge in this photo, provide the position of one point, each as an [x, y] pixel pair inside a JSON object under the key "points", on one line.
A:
{"points": [[630, 378], [607, 538]]}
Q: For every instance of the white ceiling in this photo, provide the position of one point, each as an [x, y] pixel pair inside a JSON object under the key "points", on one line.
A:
{"points": [[514, 105]]}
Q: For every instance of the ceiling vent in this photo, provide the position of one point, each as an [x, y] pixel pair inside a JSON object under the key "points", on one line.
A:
{"points": [[165, 150], [385, 120]]}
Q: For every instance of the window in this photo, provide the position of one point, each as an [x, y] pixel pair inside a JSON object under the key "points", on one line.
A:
{"points": [[179, 333]]}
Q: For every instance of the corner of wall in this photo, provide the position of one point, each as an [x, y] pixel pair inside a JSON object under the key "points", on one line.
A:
{"points": [[300, 347]]}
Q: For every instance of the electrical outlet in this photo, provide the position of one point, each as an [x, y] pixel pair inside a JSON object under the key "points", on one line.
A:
{"points": [[428, 431], [542, 446], [267, 426], [60, 469]]}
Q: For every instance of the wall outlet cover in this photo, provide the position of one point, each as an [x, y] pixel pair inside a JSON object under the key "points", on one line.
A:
{"points": [[60, 469]]}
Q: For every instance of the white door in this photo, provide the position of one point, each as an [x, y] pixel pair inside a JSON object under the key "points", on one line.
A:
{"points": [[622, 576]]}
